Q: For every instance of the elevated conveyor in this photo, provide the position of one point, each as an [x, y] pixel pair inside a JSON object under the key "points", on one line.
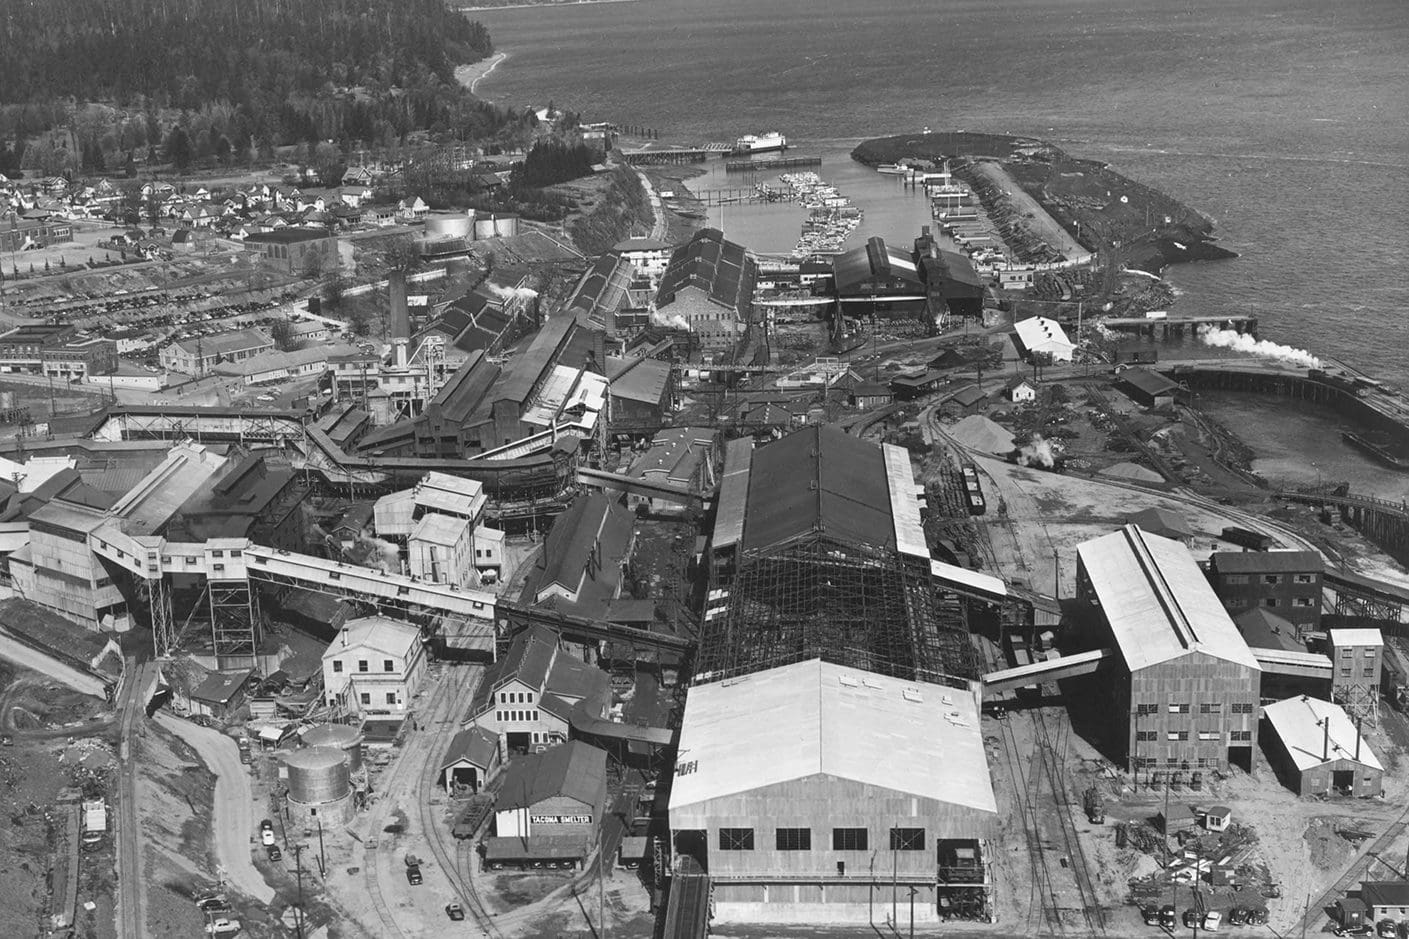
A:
{"points": [[1067, 666], [968, 583], [593, 629], [615, 482], [687, 909], [584, 722], [1294, 664]]}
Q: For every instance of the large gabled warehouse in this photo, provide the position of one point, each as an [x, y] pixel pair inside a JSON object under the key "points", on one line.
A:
{"points": [[1186, 691], [813, 791]]}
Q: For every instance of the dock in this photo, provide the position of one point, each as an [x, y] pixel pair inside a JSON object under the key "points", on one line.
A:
{"points": [[1167, 326], [764, 166], [746, 196], [667, 155]]}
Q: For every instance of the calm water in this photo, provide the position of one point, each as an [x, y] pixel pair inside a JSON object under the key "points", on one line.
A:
{"points": [[1287, 121]]}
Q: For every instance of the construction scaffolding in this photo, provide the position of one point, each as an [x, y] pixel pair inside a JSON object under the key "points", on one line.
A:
{"points": [[861, 606], [234, 618]]}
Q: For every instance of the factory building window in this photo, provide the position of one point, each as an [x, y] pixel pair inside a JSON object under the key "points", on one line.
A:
{"points": [[362, 665], [1369, 672], [1347, 653], [849, 839], [1243, 736], [1272, 580], [1179, 709], [529, 697], [337, 666], [366, 698], [1208, 735], [1210, 707], [1301, 601], [1146, 735], [736, 839], [1270, 602], [391, 697], [1302, 578], [794, 839], [388, 665], [1178, 735], [907, 839], [1146, 708], [1236, 579], [1243, 708]]}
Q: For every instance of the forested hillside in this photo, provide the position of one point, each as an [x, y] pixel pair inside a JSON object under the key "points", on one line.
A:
{"points": [[279, 71]]}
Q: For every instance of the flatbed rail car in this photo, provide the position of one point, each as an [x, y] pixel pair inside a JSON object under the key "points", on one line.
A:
{"points": [[1246, 538], [973, 490], [473, 816]]}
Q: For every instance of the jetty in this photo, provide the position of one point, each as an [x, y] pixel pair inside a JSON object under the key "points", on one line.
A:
{"points": [[1169, 326]]}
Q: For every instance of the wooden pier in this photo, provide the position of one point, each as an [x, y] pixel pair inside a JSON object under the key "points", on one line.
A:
{"points": [[670, 155], [748, 196], [765, 166]]}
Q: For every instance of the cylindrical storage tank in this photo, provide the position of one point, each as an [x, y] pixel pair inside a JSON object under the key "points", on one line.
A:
{"points": [[440, 227], [337, 737], [506, 226], [317, 774], [484, 228]]}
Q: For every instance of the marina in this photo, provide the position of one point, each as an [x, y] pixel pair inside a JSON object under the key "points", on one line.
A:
{"points": [[831, 218]]}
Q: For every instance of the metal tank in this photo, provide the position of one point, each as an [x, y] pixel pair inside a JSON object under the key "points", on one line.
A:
{"points": [[506, 226], [484, 228], [342, 737], [440, 227], [317, 775]]}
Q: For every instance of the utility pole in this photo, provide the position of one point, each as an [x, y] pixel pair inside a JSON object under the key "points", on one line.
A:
{"points": [[298, 910], [322, 859], [602, 896]]}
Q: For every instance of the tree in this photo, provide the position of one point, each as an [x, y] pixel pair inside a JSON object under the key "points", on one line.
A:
{"points": [[327, 161], [402, 254], [129, 203], [281, 331], [178, 148]]}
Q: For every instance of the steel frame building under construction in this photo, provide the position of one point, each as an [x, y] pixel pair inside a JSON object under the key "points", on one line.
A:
{"points": [[819, 553]]}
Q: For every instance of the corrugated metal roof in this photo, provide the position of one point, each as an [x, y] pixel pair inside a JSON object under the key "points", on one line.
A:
{"points": [[376, 632], [961, 578], [1039, 334], [720, 268], [1302, 723], [1266, 562], [574, 770], [1158, 603], [733, 493], [818, 479], [1151, 383], [1341, 638], [475, 746], [904, 510], [813, 718], [643, 380], [1166, 523]]}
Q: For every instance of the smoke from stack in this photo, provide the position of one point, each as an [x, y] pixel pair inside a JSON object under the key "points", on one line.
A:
{"points": [[1241, 342], [509, 293], [674, 321]]}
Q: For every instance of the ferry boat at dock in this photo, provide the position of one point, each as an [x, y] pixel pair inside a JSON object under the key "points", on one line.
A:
{"points": [[761, 143], [1375, 450], [892, 169]]}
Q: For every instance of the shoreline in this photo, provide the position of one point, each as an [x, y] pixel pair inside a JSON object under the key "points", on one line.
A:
{"points": [[471, 75], [541, 3]]}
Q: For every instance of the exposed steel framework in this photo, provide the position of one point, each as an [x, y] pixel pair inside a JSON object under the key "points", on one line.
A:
{"points": [[851, 604]]}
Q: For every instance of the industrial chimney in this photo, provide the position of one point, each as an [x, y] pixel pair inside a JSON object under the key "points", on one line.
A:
{"points": [[400, 319]]}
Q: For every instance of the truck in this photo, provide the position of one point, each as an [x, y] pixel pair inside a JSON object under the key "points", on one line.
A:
{"points": [[1094, 805], [244, 745], [95, 820]]}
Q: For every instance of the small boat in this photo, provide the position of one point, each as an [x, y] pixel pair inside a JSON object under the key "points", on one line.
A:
{"points": [[1375, 450], [892, 169]]}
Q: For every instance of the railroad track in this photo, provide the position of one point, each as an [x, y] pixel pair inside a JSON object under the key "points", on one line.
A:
{"points": [[1080, 868], [1040, 882], [456, 861]]}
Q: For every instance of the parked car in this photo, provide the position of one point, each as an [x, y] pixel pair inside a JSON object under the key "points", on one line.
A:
{"points": [[1167, 916], [223, 927], [1237, 916], [1257, 916], [455, 911], [413, 875], [213, 905], [274, 853], [1151, 915], [1212, 920], [1191, 918], [266, 832], [1387, 929]]}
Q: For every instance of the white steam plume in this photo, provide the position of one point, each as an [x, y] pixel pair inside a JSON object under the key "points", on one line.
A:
{"points": [[1038, 452], [1241, 342], [509, 293], [673, 321]]}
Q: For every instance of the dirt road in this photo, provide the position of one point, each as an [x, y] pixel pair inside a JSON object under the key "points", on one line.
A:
{"points": [[234, 821]]}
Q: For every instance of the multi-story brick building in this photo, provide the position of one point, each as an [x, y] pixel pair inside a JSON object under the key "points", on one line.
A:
{"points": [[1287, 582]]}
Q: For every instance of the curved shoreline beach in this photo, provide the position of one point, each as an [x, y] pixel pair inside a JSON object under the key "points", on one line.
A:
{"points": [[471, 75]]}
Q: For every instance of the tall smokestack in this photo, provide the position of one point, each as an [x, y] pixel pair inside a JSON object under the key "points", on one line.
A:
{"points": [[400, 319]]}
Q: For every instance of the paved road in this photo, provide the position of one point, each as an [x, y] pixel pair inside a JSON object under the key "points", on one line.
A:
{"points": [[660, 226], [234, 819], [131, 888]]}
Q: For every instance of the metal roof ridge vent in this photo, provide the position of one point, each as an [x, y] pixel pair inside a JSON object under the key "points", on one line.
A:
{"points": [[1183, 629]]}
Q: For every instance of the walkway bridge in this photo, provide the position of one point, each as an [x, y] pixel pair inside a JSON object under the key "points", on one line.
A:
{"points": [[1293, 664], [1383, 522], [1066, 666]]}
